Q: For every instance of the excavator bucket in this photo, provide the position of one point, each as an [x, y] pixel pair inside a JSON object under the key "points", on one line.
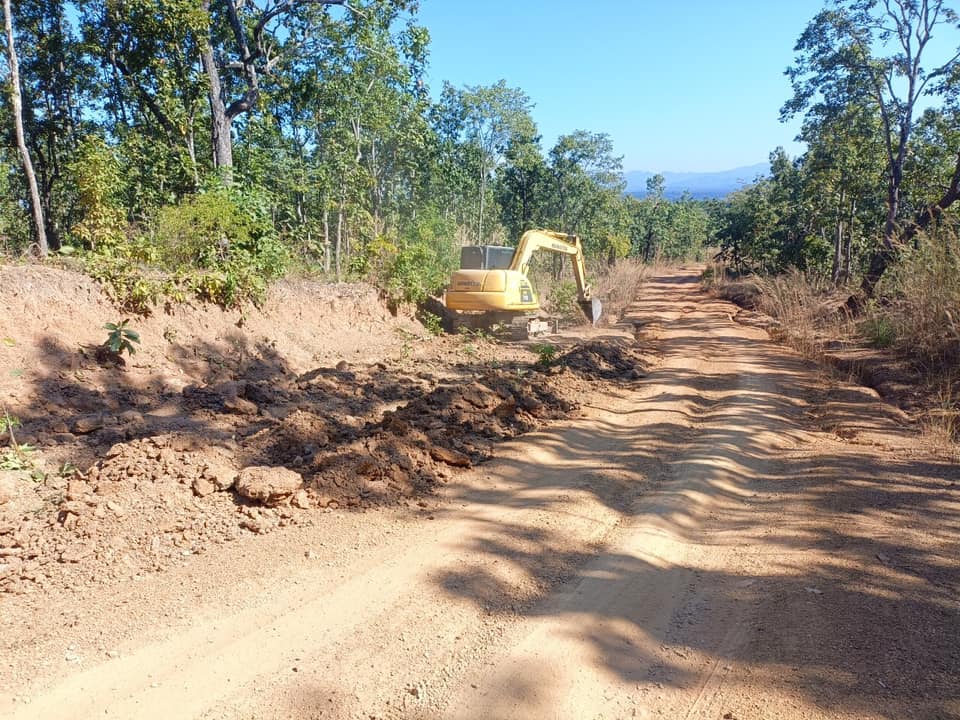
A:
{"points": [[592, 308]]}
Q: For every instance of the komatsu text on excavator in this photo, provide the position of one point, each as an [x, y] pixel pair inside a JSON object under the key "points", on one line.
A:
{"points": [[492, 284]]}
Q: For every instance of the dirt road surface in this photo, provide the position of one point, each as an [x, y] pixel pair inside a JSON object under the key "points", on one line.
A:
{"points": [[734, 536]]}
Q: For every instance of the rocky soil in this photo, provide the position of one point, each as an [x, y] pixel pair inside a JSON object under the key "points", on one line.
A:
{"points": [[120, 468]]}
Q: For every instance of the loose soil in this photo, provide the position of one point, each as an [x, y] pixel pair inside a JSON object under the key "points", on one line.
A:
{"points": [[677, 518]]}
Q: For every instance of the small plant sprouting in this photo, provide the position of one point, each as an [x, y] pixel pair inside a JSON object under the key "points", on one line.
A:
{"points": [[546, 353], [8, 422], [121, 338], [17, 455], [433, 323]]}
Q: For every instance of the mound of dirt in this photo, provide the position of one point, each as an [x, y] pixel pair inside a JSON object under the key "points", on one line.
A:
{"points": [[605, 360]]}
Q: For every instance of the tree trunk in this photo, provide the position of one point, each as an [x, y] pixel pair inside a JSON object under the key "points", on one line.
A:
{"points": [[838, 236], [483, 191], [339, 247], [220, 121], [326, 237], [21, 138]]}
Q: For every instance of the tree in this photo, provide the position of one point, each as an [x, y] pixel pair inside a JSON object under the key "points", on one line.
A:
{"points": [[840, 62], [486, 119], [17, 104], [244, 43]]}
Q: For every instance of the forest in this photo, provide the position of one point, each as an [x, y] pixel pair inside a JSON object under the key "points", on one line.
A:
{"points": [[222, 144], [182, 148]]}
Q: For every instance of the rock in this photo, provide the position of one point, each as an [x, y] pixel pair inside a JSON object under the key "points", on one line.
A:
{"points": [[268, 485], [87, 424], [221, 476], [114, 450], [241, 406], [450, 457], [301, 500], [128, 417], [9, 483], [203, 487], [76, 489], [77, 552], [58, 427], [110, 436], [368, 467], [342, 366], [279, 411]]}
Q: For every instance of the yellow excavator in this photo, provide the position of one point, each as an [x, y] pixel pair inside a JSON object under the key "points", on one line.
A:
{"points": [[492, 286]]}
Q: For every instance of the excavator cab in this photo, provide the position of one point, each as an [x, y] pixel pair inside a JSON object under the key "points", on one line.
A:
{"points": [[486, 257]]}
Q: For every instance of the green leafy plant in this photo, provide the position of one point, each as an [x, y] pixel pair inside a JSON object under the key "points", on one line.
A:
{"points": [[432, 322], [563, 299], [121, 338], [8, 422], [546, 353], [17, 458]]}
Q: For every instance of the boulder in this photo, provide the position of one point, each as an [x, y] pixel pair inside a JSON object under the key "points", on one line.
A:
{"points": [[87, 424], [268, 485]]}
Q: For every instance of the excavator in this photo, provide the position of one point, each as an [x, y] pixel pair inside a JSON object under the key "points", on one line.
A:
{"points": [[491, 287]]}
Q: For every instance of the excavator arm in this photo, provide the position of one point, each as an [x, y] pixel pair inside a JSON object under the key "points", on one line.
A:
{"points": [[534, 240]]}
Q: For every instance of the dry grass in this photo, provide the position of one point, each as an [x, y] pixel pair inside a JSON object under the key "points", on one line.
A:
{"points": [[922, 301], [805, 307], [616, 286]]}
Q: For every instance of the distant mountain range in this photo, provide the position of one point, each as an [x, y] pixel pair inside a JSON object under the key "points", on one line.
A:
{"points": [[701, 186]]}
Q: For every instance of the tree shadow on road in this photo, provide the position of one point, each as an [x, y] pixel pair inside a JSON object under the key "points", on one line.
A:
{"points": [[845, 583]]}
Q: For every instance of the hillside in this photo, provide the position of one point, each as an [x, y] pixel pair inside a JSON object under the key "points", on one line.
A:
{"points": [[701, 186]]}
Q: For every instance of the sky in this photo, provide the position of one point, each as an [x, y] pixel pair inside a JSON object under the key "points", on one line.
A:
{"points": [[693, 86]]}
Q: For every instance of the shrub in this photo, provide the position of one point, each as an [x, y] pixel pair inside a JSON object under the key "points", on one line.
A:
{"points": [[224, 242], [416, 264], [96, 176], [562, 299]]}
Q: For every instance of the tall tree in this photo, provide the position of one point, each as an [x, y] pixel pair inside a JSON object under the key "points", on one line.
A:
{"points": [[245, 42], [840, 60], [17, 103], [486, 119]]}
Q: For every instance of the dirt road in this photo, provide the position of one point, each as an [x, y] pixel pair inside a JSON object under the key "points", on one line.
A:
{"points": [[733, 536]]}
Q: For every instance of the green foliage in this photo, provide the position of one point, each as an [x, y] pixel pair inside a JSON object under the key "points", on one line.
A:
{"points": [[419, 263], [563, 299], [432, 322], [124, 282], [17, 458], [8, 422], [96, 176], [546, 353], [223, 242], [121, 338]]}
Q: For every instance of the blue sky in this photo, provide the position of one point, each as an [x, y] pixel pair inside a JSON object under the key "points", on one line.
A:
{"points": [[679, 86]]}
